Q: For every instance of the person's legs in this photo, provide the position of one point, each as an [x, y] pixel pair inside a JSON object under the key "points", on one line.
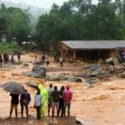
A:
{"points": [[37, 110], [62, 109], [61, 64], [11, 110], [53, 109], [57, 107], [38, 113], [27, 110], [22, 108], [43, 109], [16, 111], [48, 108], [68, 105]]}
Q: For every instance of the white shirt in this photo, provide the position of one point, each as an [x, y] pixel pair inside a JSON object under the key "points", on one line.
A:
{"points": [[38, 100]]}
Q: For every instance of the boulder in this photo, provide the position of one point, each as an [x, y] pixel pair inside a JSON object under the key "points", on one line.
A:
{"points": [[38, 70], [89, 82], [106, 74], [56, 77], [25, 64], [74, 79], [27, 73], [122, 75]]}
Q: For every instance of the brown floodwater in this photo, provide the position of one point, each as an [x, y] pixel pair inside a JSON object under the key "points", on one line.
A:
{"points": [[104, 104]]}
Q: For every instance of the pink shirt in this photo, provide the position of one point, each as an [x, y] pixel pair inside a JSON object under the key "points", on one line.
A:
{"points": [[67, 96]]}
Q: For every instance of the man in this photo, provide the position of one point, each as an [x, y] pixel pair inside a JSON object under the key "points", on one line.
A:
{"points": [[61, 101], [19, 56], [1, 59], [43, 58], [14, 104], [24, 102], [38, 103], [44, 95], [6, 57], [61, 61], [55, 101], [67, 99], [50, 98]]}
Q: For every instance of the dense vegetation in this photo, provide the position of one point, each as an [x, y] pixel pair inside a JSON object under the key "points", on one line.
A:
{"points": [[74, 20], [82, 20], [14, 23]]}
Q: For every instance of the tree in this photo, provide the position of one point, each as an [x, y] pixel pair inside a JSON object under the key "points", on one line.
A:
{"points": [[19, 24], [82, 20], [3, 18]]}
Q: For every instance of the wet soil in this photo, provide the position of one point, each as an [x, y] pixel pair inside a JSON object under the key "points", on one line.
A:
{"points": [[104, 104]]}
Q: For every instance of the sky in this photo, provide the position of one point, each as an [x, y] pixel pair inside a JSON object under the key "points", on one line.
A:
{"points": [[39, 3]]}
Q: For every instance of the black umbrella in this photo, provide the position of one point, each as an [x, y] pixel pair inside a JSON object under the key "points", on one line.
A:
{"points": [[14, 88]]}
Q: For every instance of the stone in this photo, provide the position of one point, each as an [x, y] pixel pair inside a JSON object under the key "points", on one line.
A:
{"points": [[74, 79], [25, 64], [56, 77]]}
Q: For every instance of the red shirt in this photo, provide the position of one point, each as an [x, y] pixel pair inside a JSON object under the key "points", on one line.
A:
{"points": [[67, 96]]}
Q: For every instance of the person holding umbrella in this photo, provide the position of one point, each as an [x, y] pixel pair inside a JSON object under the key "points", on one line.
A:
{"points": [[15, 90], [14, 103]]}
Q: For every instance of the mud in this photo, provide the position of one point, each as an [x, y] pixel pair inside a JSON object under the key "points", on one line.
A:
{"points": [[104, 104]]}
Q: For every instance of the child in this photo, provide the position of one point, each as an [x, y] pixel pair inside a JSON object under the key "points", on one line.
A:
{"points": [[37, 103]]}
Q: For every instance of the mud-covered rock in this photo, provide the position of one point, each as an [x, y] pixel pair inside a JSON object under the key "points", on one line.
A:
{"points": [[26, 64], [74, 79], [56, 77], [122, 75]]}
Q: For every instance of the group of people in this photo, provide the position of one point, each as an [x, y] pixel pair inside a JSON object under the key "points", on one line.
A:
{"points": [[58, 59], [6, 57], [59, 101], [43, 60], [24, 102]]}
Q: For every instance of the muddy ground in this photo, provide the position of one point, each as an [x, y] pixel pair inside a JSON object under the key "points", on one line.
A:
{"points": [[104, 104]]}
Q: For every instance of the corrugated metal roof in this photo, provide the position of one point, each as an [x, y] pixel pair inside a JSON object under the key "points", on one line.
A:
{"points": [[95, 44]]}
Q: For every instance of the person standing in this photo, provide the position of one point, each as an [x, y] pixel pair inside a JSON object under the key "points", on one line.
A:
{"points": [[12, 58], [24, 102], [19, 56], [14, 104], [1, 59], [44, 94], [55, 101], [61, 61], [67, 100], [38, 103], [47, 61], [61, 101], [43, 58], [6, 57], [50, 98]]}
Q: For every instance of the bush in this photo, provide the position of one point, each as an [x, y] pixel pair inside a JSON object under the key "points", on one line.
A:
{"points": [[9, 47]]}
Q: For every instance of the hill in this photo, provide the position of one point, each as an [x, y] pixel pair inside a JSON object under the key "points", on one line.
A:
{"points": [[34, 11]]}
